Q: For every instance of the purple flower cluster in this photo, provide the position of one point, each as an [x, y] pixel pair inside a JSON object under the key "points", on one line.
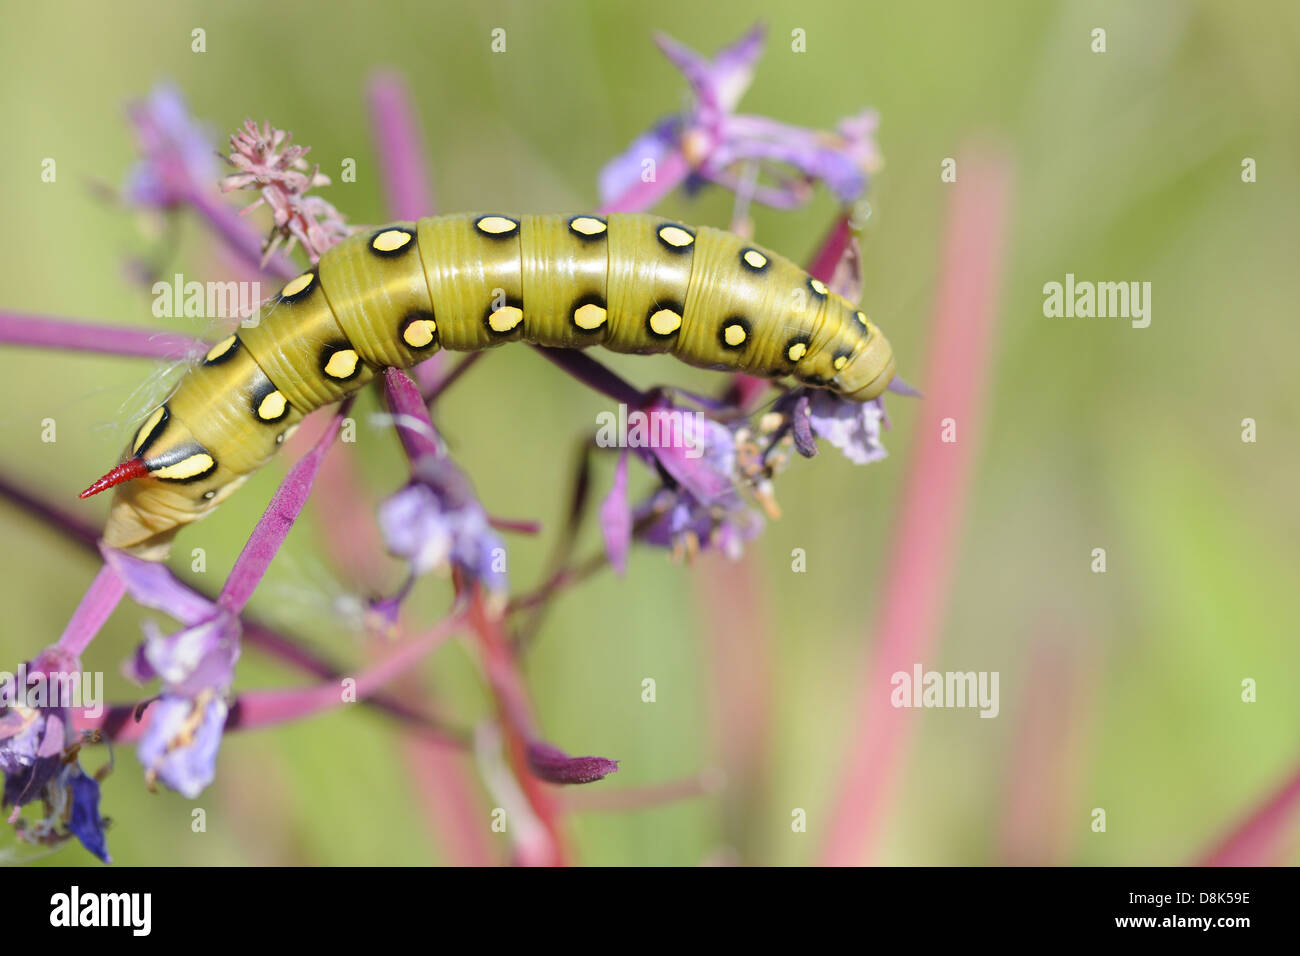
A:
{"points": [[723, 147], [38, 755]]}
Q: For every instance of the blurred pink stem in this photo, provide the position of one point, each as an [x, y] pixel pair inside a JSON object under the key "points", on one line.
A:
{"points": [[401, 154], [265, 708], [240, 236], [41, 331], [1260, 840], [260, 708], [926, 536]]}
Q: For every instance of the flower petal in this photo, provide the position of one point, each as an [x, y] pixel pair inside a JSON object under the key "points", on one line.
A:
{"points": [[153, 585], [616, 518], [84, 821], [180, 745], [852, 427]]}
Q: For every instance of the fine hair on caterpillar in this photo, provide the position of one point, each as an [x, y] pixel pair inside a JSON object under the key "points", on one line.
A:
{"points": [[393, 296]]}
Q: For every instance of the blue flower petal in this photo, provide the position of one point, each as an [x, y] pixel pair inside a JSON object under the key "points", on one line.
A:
{"points": [[84, 821]]}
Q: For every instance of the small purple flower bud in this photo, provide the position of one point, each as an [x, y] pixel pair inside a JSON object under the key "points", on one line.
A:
{"points": [[553, 765], [801, 426]]}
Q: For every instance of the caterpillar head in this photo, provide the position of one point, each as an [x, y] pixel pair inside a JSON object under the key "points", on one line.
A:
{"points": [[167, 480], [870, 370]]}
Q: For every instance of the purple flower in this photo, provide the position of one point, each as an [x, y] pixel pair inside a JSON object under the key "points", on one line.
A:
{"points": [[435, 521], [31, 751], [192, 659], [625, 170], [686, 525], [852, 427], [36, 725], [178, 158], [179, 747], [553, 765], [703, 506], [201, 655], [720, 145], [37, 756], [196, 665]]}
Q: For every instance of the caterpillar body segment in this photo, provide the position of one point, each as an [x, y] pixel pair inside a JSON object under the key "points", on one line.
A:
{"points": [[395, 295]]}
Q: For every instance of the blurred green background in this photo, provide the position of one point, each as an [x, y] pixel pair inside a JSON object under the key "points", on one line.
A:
{"points": [[1097, 434]]}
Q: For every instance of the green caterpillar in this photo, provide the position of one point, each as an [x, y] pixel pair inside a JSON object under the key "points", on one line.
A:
{"points": [[394, 296]]}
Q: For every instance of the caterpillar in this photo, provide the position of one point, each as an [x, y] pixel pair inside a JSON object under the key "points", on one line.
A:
{"points": [[391, 297]]}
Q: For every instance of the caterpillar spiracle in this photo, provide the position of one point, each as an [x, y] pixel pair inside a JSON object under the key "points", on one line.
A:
{"points": [[395, 295]]}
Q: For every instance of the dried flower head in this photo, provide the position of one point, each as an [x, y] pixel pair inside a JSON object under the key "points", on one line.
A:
{"points": [[269, 163]]}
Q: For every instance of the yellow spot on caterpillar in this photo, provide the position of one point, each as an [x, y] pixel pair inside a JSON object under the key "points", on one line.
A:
{"points": [[419, 333], [147, 429], [271, 407], [734, 335], [390, 240], [341, 364], [665, 322], [755, 258], [863, 319], [587, 226], [676, 236], [496, 225], [505, 318], [185, 468], [589, 316], [220, 349], [797, 351], [818, 286], [297, 285], [840, 362]]}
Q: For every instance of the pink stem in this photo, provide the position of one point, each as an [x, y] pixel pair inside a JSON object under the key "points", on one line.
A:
{"points": [[517, 722], [275, 523], [95, 608], [1260, 840], [401, 154], [831, 250], [740, 652], [262, 708], [1044, 763], [926, 536], [240, 237], [42, 331]]}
